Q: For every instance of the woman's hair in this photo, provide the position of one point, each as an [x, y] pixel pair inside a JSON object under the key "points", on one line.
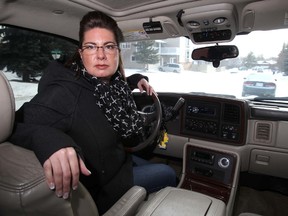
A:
{"points": [[98, 19]]}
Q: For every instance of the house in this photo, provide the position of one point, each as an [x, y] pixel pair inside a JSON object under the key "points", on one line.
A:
{"points": [[172, 50]]}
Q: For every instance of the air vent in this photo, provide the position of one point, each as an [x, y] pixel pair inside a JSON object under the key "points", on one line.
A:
{"points": [[263, 131], [231, 113]]}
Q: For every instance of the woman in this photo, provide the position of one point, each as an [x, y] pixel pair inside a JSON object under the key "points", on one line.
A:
{"points": [[81, 116]]}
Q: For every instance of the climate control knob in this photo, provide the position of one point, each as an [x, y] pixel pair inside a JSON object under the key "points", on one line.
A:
{"points": [[224, 162]]}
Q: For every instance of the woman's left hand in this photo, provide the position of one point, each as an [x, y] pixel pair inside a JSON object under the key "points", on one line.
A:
{"points": [[143, 84]]}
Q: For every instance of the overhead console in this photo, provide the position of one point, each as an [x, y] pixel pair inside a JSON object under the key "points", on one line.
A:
{"points": [[209, 24], [214, 119]]}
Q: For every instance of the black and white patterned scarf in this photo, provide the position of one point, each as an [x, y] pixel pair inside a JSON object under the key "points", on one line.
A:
{"points": [[116, 102]]}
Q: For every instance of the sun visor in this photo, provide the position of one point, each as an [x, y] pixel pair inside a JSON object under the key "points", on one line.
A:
{"points": [[149, 29], [265, 15]]}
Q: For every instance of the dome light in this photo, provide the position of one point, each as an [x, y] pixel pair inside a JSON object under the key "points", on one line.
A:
{"points": [[219, 20], [193, 24]]}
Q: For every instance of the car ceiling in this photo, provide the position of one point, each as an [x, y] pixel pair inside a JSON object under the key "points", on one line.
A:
{"points": [[62, 16]]}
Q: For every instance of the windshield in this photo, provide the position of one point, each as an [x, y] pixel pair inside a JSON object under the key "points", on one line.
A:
{"points": [[262, 53], [260, 70]]}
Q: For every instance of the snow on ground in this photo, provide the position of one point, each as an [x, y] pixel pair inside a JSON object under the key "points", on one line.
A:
{"points": [[186, 81]]}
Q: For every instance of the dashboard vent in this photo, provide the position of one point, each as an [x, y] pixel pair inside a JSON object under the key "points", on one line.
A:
{"points": [[263, 131], [231, 113]]}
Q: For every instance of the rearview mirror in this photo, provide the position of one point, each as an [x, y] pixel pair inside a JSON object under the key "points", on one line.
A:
{"points": [[215, 54]]}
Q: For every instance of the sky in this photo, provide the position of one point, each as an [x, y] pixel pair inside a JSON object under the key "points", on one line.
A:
{"points": [[269, 44]]}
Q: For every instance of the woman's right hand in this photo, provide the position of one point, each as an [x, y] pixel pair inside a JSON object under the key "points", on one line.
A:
{"points": [[62, 170]]}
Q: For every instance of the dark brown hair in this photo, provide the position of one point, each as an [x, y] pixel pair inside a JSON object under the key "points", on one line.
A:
{"points": [[97, 19]]}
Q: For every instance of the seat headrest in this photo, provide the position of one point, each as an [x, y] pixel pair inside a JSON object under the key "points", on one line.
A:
{"points": [[7, 108]]}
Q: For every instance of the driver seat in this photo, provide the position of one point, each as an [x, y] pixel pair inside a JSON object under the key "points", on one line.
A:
{"points": [[23, 189]]}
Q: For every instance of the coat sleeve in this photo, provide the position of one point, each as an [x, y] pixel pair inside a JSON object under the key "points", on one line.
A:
{"points": [[134, 79], [42, 123]]}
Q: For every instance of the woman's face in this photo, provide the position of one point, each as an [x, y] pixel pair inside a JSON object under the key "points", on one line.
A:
{"points": [[100, 53]]}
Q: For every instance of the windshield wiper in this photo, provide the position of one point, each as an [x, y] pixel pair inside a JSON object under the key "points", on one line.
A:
{"points": [[213, 94], [271, 99]]}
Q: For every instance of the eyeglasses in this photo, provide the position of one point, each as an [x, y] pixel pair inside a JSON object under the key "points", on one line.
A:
{"points": [[92, 49]]}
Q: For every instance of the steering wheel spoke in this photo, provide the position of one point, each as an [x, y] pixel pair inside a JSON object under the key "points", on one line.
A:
{"points": [[152, 126]]}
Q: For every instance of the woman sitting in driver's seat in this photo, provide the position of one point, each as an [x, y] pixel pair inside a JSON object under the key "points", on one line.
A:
{"points": [[82, 114]]}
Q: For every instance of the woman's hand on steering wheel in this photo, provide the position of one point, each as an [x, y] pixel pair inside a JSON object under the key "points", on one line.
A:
{"points": [[143, 84]]}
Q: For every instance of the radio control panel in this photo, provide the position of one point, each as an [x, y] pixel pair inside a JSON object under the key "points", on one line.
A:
{"points": [[220, 120]]}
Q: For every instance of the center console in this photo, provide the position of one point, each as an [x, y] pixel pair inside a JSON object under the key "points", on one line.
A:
{"points": [[211, 172], [177, 201], [207, 187]]}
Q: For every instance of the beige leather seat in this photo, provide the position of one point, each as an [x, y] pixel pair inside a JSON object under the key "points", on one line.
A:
{"points": [[23, 190]]}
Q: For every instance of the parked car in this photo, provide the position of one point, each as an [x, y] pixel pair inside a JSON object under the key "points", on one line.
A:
{"points": [[260, 84], [230, 152], [172, 67]]}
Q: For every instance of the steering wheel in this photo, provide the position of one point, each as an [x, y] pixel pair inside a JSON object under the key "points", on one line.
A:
{"points": [[152, 129]]}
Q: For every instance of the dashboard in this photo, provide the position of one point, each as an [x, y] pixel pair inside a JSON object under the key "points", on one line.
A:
{"points": [[257, 131]]}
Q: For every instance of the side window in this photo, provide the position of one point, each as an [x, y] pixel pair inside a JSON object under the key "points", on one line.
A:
{"points": [[24, 55]]}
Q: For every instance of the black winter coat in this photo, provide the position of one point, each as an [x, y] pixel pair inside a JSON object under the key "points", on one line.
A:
{"points": [[64, 114]]}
